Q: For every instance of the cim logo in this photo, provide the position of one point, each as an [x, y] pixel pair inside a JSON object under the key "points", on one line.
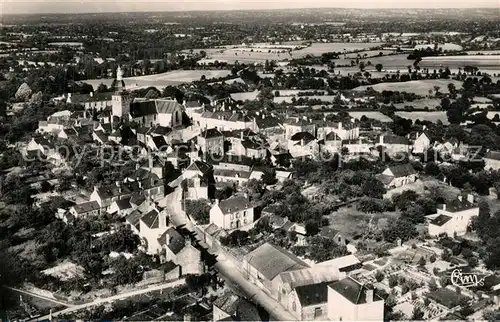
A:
{"points": [[459, 278]]}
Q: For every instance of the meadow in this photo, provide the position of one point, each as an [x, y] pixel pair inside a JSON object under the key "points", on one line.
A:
{"points": [[431, 116], [419, 87]]}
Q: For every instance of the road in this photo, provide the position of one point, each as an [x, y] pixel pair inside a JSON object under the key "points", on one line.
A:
{"points": [[227, 267], [113, 298], [39, 296]]}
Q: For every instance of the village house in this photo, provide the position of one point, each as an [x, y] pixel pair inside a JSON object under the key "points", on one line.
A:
{"points": [[105, 195], [332, 143], [454, 218], [86, 209], [309, 302], [358, 147], [295, 125], [266, 262], [211, 141], [90, 101], [226, 120], [422, 143], [121, 207], [191, 107], [199, 187], [181, 252], [397, 175], [233, 213], [303, 144], [152, 225], [492, 160], [100, 137], [269, 126], [198, 168], [231, 307], [349, 300], [344, 131], [394, 144]]}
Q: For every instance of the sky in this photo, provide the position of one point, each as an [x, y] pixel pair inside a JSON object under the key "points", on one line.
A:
{"points": [[82, 6]]}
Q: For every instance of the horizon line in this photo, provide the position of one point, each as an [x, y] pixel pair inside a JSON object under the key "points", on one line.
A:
{"points": [[229, 10]]}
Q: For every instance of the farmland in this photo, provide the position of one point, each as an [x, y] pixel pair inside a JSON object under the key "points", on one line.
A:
{"points": [[419, 87], [175, 77], [480, 61], [430, 103], [424, 116]]}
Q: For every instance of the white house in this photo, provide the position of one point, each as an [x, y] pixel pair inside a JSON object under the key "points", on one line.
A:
{"points": [[233, 213], [162, 112], [394, 144], [348, 131], [86, 209], [349, 300], [303, 144], [454, 217], [295, 125], [152, 225], [422, 143]]}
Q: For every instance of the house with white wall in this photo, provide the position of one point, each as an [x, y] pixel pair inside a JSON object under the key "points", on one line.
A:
{"points": [[421, 143], [349, 300], [233, 213], [492, 160], [398, 175], [454, 218]]}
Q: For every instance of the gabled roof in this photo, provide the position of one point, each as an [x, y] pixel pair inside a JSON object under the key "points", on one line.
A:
{"points": [[234, 204], [166, 106], [151, 219], [134, 217], [352, 291], [402, 170], [302, 136], [199, 166], [440, 220], [332, 136], [175, 240], [292, 121], [123, 204], [456, 205], [160, 130], [271, 260], [312, 294], [142, 108], [211, 133], [267, 122], [86, 207], [100, 134], [159, 141]]}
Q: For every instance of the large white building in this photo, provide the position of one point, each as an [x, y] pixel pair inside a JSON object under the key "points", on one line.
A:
{"points": [[233, 213]]}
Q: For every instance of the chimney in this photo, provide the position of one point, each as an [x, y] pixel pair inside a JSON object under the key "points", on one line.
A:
{"points": [[91, 94], [470, 198], [140, 184], [163, 219], [184, 103], [241, 135], [69, 95], [369, 296], [460, 198], [263, 116], [381, 139], [137, 166], [167, 239], [444, 207], [302, 142], [245, 195], [340, 125], [150, 162], [216, 201]]}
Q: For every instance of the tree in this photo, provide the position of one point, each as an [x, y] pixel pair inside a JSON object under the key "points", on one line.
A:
{"points": [[266, 94], [401, 228], [432, 259], [422, 262], [417, 314], [311, 228], [433, 285], [393, 281], [102, 88], [269, 177], [379, 67], [198, 210], [379, 276], [373, 188]]}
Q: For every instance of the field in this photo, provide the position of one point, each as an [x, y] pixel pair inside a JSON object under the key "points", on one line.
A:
{"points": [[431, 116], [419, 87], [372, 115], [421, 104], [175, 77], [260, 55], [352, 222], [243, 96], [480, 61], [491, 115], [289, 99]]}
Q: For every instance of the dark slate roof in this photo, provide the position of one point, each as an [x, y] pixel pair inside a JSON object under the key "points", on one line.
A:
{"points": [[96, 97], [297, 122], [123, 203], [168, 266], [134, 217], [142, 108], [166, 106], [151, 219], [175, 243], [352, 291], [394, 139], [456, 205], [160, 130], [101, 136], [199, 166], [235, 203], [137, 198], [192, 104], [211, 133], [332, 136], [271, 260], [159, 141], [312, 294], [143, 130], [402, 170], [253, 144], [302, 136], [494, 155], [440, 220], [267, 122], [86, 207]]}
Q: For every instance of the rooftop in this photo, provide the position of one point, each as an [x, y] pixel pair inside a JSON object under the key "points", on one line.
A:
{"points": [[353, 291], [312, 294]]}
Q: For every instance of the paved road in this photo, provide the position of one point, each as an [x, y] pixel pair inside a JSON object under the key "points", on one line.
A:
{"points": [[40, 296], [114, 298], [226, 265]]}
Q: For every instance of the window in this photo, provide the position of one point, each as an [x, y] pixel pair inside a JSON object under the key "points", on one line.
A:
{"points": [[232, 224], [244, 213], [318, 312], [232, 216], [244, 221], [154, 117], [238, 215], [294, 306]]}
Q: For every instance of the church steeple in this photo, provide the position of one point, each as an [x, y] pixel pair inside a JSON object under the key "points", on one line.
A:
{"points": [[120, 84]]}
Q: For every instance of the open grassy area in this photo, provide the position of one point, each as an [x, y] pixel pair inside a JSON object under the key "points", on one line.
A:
{"points": [[430, 103], [352, 222], [432, 116], [372, 115], [419, 87]]}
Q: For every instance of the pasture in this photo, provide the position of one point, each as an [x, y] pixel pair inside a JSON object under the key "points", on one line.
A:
{"points": [[175, 77], [289, 99], [430, 103], [431, 116], [419, 87], [455, 62], [371, 115]]}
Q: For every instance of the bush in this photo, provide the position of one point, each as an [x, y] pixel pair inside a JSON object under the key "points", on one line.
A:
{"points": [[198, 210]]}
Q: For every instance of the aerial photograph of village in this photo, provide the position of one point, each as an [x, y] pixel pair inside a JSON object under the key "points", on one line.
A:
{"points": [[253, 161]]}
